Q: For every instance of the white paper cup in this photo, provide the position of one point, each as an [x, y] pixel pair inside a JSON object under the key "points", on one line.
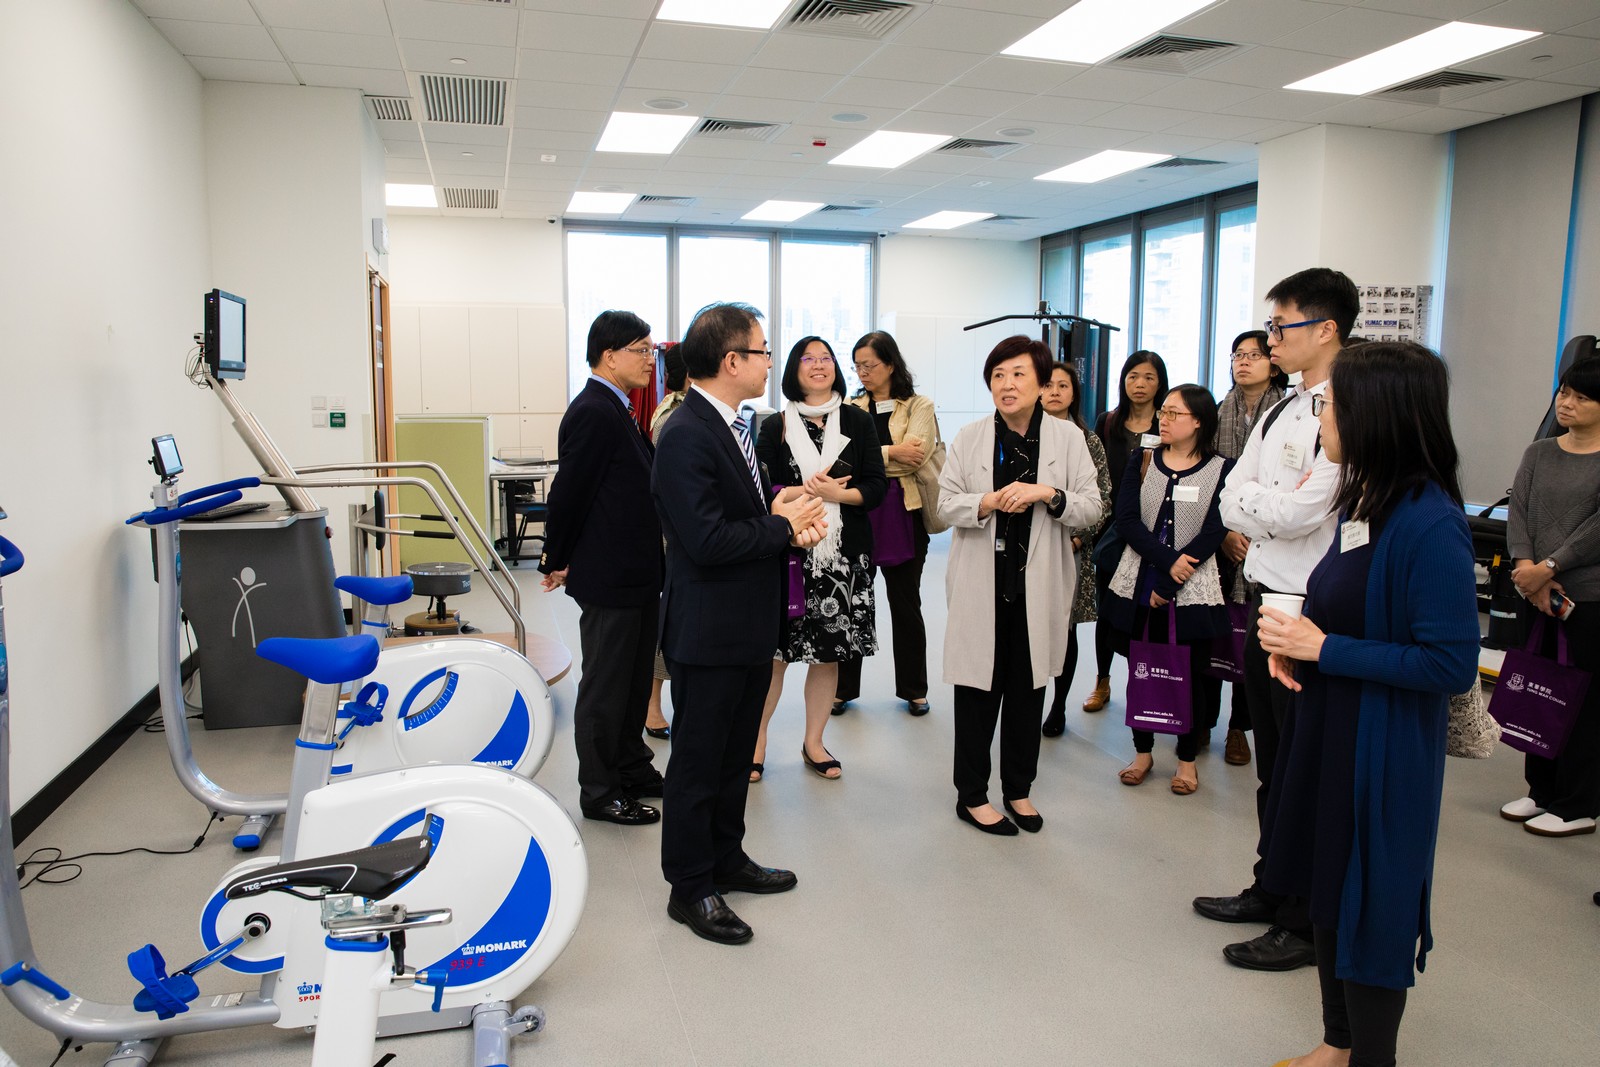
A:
{"points": [[1287, 603]]}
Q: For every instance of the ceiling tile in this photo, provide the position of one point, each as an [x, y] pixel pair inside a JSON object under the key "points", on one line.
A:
{"points": [[346, 16], [405, 149], [929, 65], [1439, 120], [1356, 31], [467, 172], [1551, 16], [1120, 86], [218, 40], [1019, 75], [1442, 9], [528, 145], [1587, 75], [1141, 118], [460, 133], [1524, 96], [458, 23], [1283, 104], [878, 92], [984, 103], [238, 12], [1587, 29], [339, 49], [581, 33], [1365, 111], [243, 70], [1564, 52], [823, 55], [533, 93], [371, 81], [1197, 94], [482, 60], [783, 84], [1056, 109], [1252, 21], [709, 44], [562, 119], [545, 171], [565, 66], [679, 77], [1221, 126], [482, 154], [1268, 68], [985, 32]]}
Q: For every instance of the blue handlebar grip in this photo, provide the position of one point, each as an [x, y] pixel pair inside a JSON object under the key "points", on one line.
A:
{"points": [[21, 972], [220, 487], [157, 516], [10, 558]]}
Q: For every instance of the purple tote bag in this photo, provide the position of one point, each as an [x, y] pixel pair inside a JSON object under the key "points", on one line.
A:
{"points": [[1159, 696], [1536, 700], [1227, 653], [893, 540]]}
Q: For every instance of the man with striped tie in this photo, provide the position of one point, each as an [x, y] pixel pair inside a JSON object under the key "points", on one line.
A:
{"points": [[720, 614]]}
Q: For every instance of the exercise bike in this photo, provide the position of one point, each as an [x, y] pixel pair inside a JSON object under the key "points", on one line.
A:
{"points": [[509, 862], [458, 700]]}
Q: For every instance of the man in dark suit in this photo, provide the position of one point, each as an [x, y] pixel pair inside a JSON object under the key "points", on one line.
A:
{"points": [[603, 542], [720, 616]]}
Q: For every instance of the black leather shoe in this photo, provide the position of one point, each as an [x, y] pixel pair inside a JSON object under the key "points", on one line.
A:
{"points": [[1055, 723], [1247, 907], [1275, 950], [754, 878], [660, 733], [711, 919], [1031, 823], [624, 811], [1004, 828], [650, 788]]}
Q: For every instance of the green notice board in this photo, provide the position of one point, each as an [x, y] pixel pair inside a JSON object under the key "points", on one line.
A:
{"points": [[461, 447]]}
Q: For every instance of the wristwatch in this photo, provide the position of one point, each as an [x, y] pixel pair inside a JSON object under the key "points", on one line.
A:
{"points": [[1548, 562], [1057, 499]]}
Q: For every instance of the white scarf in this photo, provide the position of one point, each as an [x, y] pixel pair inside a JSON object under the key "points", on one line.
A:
{"points": [[810, 461]]}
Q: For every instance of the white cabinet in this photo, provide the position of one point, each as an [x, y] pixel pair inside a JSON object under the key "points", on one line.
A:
{"points": [[445, 360], [542, 359], [492, 356], [405, 359]]}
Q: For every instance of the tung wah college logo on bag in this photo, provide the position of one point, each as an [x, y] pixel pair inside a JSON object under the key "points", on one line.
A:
{"points": [[1516, 683]]}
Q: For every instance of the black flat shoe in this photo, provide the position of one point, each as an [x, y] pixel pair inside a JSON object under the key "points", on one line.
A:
{"points": [[660, 733], [822, 767], [710, 918], [624, 811], [754, 878], [1003, 828], [839, 707], [1031, 823], [918, 708], [757, 772], [1055, 723]]}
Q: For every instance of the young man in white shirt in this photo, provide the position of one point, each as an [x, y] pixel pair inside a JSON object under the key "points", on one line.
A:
{"points": [[1278, 501]]}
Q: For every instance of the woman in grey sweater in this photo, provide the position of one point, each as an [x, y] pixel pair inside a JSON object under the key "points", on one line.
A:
{"points": [[1554, 536]]}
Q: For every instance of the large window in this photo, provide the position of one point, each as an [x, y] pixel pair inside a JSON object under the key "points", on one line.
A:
{"points": [[1107, 280], [1173, 296], [802, 284], [1238, 307]]}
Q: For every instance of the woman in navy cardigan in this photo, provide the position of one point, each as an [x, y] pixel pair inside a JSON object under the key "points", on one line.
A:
{"points": [[1389, 632]]}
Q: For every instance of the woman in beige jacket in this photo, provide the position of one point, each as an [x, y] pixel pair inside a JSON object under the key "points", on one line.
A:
{"points": [[1013, 489]]}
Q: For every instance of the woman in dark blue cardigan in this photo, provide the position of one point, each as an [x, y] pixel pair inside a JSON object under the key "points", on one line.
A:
{"points": [[1389, 632]]}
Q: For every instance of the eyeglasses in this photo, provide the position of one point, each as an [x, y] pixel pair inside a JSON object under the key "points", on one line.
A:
{"points": [[812, 361], [1275, 330], [637, 350], [755, 351], [1249, 357], [867, 368], [1168, 414], [1319, 404]]}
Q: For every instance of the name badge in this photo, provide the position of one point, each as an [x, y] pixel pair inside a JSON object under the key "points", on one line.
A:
{"points": [[883, 407], [999, 544], [1186, 494], [1353, 534], [1149, 440], [1294, 456]]}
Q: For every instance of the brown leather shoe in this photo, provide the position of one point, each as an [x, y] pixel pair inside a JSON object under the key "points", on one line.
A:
{"points": [[1236, 750], [1101, 695]]}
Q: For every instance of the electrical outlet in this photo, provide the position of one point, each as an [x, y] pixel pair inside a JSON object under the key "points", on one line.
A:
{"points": [[319, 418]]}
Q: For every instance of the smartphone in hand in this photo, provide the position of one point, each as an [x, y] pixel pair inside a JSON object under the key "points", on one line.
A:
{"points": [[1561, 605], [840, 469]]}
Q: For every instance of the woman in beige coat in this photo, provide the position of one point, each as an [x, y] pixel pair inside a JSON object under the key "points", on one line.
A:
{"points": [[1013, 489]]}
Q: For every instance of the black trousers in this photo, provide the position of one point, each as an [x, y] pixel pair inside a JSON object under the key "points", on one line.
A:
{"points": [[1013, 702], [1239, 713], [1362, 1018], [1569, 785], [1102, 628], [716, 712], [1202, 699], [1058, 701], [902, 585], [619, 649], [1270, 703]]}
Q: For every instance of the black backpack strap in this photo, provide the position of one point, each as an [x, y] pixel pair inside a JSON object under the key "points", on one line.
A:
{"points": [[1272, 417]]}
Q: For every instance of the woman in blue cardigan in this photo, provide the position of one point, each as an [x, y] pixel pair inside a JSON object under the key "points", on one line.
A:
{"points": [[1389, 631]]}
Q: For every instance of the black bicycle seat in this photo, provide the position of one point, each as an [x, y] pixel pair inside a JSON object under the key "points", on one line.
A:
{"points": [[373, 872]]}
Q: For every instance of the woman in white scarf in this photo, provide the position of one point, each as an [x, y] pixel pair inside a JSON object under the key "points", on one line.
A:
{"points": [[827, 449]]}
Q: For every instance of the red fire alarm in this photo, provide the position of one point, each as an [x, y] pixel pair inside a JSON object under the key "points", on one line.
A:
{"points": [[819, 143]]}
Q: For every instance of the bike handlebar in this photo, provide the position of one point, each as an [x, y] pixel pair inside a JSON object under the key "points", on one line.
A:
{"points": [[10, 558], [196, 502]]}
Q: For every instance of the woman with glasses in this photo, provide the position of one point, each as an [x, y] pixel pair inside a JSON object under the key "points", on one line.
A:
{"points": [[1062, 399], [1167, 513], [907, 432], [1257, 385], [1388, 631], [825, 448], [1140, 390], [1013, 489]]}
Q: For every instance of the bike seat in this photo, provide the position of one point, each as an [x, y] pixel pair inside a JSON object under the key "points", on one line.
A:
{"points": [[330, 660], [374, 590], [373, 872]]}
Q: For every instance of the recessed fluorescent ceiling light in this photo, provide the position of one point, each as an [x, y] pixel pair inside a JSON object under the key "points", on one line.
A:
{"points": [[948, 220], [600, 203], [1091, 30], [1451, 43], [888, 149], [409, 196], [781, 210], [633, 131], [755, 14], [1107, 164]]}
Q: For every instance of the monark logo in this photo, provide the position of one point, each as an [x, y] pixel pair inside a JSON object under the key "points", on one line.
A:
{"points": [[305, 989], [493, 946]]}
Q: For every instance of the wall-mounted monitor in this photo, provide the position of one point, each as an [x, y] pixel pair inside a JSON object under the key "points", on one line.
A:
{"points": [[224, 337]]}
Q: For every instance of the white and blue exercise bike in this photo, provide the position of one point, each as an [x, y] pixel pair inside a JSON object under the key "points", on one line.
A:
{"points": [[507, 861], [452, 700]]}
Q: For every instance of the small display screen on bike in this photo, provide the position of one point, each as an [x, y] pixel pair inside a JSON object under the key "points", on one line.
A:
{"points": [[167, 461]]}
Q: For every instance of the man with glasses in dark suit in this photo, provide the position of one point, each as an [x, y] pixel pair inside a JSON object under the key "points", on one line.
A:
{"points": [[720, 615]]}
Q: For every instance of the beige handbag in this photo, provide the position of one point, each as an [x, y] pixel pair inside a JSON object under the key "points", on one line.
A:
{"points": [[927, 477]]}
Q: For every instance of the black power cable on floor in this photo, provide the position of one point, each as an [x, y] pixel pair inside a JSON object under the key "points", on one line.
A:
{"points": [[53, 871]]}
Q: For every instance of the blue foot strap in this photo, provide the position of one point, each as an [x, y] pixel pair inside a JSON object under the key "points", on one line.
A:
{"points": [[163, 995], [366, 709]]}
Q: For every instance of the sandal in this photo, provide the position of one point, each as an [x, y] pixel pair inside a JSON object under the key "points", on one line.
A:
{"points": [[756, 771], [824, 766], [839, 707], [1131, 775]]}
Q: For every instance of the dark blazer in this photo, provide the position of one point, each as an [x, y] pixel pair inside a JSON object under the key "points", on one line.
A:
{"points": [[601, 523], [723, 599], [866, 471]]}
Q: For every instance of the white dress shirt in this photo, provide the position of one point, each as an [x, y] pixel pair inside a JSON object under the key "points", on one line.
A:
{"points": [[1271, 500]]}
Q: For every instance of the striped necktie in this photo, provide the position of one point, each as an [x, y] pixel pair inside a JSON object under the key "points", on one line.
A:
{"points": [[741, 430]]}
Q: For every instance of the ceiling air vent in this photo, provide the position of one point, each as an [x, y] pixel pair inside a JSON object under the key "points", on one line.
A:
{"points": [[1441, 87], [1167, 54], [390, 108], [1184, 161], [471, 101], [735, 130], [1007, 220], [868, 20], [472, 199], [667, 201], [846, 209], [967, 146]]}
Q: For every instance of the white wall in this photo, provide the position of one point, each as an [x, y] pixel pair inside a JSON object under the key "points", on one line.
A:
{"points": [[105, 257], [930, 287], [1583, 281], [474, 261]]}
